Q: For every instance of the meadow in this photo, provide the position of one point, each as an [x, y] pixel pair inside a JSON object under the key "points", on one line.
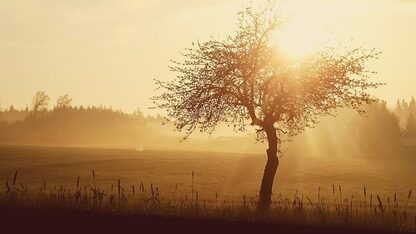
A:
{"points": [[344, 191]]}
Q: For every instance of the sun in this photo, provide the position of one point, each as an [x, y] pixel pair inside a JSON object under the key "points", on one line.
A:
{"points": [[299, 40], [304, 32]]}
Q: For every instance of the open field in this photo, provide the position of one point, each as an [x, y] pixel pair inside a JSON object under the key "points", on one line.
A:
{"points": [[204, 185], [225, 175]]}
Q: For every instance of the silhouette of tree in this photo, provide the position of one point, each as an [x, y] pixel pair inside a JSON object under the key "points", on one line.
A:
{"points": [[40, 102], [412, 105], [373, 138], [63, 102], [410, 125], [244, 79], [398, 110], [405, 106], [404, 110]]}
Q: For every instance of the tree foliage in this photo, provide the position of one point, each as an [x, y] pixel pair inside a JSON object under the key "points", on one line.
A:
{"points": [[245, 79], [410, 130], [40, 101], [406, 112], [64, 102]]}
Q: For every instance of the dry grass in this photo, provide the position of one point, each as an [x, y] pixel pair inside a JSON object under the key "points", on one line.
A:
{"points": [[374, 212]]}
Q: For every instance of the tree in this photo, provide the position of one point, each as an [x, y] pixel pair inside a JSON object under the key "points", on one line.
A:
{"points": [[398, 108], [244, 79], [411, 125], [375, 139], [412, 105], [405, 106], [40, 102], [64, 102]]}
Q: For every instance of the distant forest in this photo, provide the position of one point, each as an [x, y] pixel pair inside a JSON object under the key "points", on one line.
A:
{"points": [[380, 130]]}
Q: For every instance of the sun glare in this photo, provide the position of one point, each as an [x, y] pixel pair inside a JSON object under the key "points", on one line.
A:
{"points": [[297, 40], [304, 32]]}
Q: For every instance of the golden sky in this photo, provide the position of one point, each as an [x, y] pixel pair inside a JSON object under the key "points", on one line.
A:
{"points": [[109, 51]]}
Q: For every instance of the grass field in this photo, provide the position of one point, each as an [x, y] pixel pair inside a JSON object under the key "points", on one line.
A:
{"points": [[322, 184], [227, 174]]}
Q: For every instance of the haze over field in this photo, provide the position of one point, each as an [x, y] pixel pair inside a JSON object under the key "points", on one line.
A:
{"points": [[239, 173], [108, 52], [290, 112]]}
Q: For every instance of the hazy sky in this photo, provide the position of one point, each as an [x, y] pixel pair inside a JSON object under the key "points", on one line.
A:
{"points": [[109, 51]]}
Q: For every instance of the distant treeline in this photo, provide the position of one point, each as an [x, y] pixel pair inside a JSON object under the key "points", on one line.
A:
{"points": [[65, 124], [381, 130], [76, 125], [376, 132], [406, 113]]}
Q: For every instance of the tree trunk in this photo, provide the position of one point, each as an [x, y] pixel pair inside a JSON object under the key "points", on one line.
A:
{"points": [[263, 205]]}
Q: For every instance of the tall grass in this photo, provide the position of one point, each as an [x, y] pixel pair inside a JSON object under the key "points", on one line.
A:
{"points": [[342, 211]]}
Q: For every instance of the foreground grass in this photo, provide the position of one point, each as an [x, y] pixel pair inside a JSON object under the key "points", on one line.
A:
{"points": [[147, 201]]}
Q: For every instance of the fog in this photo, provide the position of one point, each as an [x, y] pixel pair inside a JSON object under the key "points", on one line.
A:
{"points": [[380, 131]]}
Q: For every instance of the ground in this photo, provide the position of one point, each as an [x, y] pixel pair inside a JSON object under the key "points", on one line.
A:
{"points": [[57, 221]]}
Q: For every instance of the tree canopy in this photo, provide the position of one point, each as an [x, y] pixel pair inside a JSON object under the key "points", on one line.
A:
{"points": [[246, 79], [63, 102]]}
